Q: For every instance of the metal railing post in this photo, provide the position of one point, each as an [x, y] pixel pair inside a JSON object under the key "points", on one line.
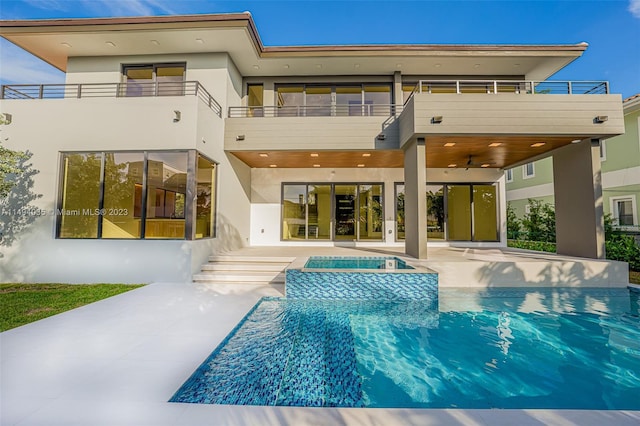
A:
{"points": [[79, 91], [569, 87], [458, 86], [495, 86], [41, 91]]}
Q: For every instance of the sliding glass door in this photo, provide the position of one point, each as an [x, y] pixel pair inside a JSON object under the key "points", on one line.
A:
{"points": [[455, 212], [342, 212]]}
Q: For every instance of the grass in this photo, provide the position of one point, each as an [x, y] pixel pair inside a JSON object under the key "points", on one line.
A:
{"points": [[24, 303]]}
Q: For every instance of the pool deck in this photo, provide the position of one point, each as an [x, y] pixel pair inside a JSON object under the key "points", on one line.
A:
{"points": [[118, 361], [480, 267]]}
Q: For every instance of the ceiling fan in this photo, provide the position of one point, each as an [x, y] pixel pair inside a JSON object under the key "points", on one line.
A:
{"points": [[471, 163]]}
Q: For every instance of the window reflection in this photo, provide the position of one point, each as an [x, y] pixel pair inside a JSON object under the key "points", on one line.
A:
{"points": [[166, 192], [122, 187], [80, 195]]}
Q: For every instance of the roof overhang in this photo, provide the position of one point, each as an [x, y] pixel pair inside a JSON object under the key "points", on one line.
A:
{"points": [[56, 40]]}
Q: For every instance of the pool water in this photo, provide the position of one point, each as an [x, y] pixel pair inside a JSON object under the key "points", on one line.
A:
{"points": [[354, 262], [506, 348]]}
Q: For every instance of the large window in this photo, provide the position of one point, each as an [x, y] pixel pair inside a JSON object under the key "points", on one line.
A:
{"points": [[455, 212], [332, 211], [133, 195], [624, 211], [331, 100], [154, 79]]}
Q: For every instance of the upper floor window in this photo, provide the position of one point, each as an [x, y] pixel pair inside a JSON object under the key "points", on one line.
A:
{"points": [[603, 150], [528, 171], [154, 79], [333, 100], [509, 175]]}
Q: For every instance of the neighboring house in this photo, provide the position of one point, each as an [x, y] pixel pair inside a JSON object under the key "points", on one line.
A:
{"points": [[178, 137], [620, 159]]}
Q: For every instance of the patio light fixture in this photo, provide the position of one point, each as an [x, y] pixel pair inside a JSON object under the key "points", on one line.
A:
{"points": [[599, 119], [436, 119]]}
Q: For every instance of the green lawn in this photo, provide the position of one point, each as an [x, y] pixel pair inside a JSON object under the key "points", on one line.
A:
{"points": [[24, 303]]}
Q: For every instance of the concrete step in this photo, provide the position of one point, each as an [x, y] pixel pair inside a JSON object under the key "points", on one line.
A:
{"points": [[237, 266], [250, 259], [245, 277]]}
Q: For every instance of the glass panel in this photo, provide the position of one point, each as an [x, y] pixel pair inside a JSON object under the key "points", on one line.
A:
{"points": [[205, 198], [371, 213], [345, 212], [255, 100], [319, 207], [290, 100], [139, 81], [459, 212], [294, 212], [399, 211], [318, 101], [435, 212], [80, 195], [349, 100], [166, 191], [377, 100], [170, 80], [485, 216], [122, 187]]}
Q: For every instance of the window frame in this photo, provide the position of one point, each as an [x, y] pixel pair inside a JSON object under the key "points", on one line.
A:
{"points": [[615, 214], [508, 175]]}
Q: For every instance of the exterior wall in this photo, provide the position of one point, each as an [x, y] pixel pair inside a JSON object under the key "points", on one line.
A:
{"points": [[47, 127], [513, 114], [266, 195]]}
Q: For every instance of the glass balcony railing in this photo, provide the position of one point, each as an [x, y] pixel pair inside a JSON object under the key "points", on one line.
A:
{"points": [[337, 110], [110, 90], [512, 86]]}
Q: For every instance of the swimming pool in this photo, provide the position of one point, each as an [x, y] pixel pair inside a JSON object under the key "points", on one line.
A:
{"points": [[508, 348]]}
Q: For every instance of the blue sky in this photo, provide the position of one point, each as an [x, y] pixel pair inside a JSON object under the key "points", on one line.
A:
{"points": [[612, 28]]}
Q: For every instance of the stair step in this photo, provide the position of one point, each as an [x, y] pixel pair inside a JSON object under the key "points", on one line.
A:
{"points": [[252, 259], [237, 278], [228, 266]]}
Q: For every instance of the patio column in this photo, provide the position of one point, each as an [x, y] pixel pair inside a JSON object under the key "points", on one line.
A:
{"points": [[577, 183], [415, 198]]}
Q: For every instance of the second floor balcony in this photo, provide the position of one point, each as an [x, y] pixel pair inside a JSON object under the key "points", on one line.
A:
{"points": [[110, 90]]}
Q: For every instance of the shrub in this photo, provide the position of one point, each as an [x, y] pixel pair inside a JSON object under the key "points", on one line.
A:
{"points": [[533, 245], [514, 225]]}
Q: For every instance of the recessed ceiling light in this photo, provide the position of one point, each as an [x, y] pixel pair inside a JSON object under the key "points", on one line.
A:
{"points": [[273, 165], [110, 43], [286, 66], [316, 165], [538, 144], [360, 165], [476, 65], [263, 154], [452, 165], [156, 42], [516, 65], [200, 41], [65, 44], [318, 66], [437, 65], [256, 67], [495, 144], [313, 154], [366, 154], [356, 65], [398, 65], [485, 165], [576, 141], [450, 144]]}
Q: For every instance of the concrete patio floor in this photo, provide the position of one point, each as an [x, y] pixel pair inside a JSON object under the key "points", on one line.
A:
{"points": [[118, 361]]}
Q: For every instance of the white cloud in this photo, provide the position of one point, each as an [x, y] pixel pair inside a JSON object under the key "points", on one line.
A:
{"points": [[20, 67], [634, 8]]}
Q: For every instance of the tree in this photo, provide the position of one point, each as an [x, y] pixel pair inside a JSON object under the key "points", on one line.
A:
{"points": [[540, 223], [514, 226], [16, 192]]}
